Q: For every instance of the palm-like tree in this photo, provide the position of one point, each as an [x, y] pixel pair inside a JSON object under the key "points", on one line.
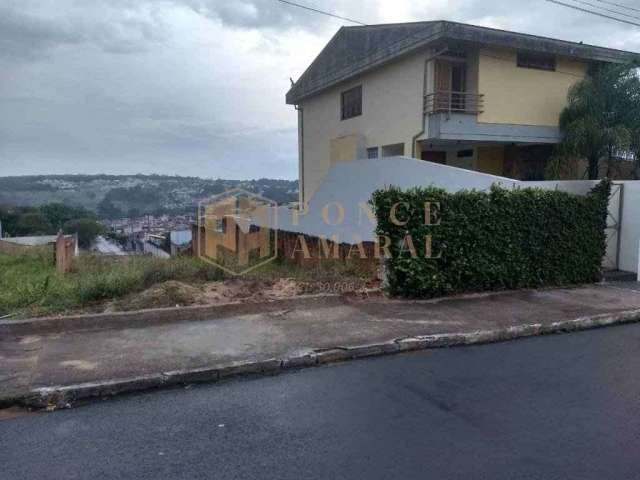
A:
{"points": [[602, 117]]}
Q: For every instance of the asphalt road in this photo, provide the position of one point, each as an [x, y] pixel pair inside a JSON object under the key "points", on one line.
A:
{"points": [[561, 407], [108, 247]]}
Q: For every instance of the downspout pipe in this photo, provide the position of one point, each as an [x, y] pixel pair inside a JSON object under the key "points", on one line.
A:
{"points": [[414, 139], [300, 111]]}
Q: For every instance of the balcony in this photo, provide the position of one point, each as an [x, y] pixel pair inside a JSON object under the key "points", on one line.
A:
{"points": [[453, 102]]}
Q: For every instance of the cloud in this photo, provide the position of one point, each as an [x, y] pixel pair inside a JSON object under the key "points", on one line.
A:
{"points": [[262, 14], [195, 86], [30, 30], [23, 35]]}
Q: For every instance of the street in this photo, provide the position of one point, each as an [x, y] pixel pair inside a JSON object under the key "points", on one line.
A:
{"points": [[556, 407], [107, 247]]}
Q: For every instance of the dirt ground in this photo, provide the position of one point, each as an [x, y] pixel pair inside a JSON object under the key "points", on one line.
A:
{"points": [[174, 293]]}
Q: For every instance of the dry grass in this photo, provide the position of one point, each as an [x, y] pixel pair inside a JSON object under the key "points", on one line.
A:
{"points": [[30, 286]]}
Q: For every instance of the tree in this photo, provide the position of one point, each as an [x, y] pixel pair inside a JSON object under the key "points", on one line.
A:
{"points": [[57, 214], [9, 217], [86, 228], [134, 213], [106, 209], [33, 223], [602, 117]]}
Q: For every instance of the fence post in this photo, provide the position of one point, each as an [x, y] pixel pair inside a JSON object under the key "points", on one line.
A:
{"points": [[61, 252], [195, 240]]}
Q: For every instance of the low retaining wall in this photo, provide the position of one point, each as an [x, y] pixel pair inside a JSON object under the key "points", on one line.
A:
{"points": [[62, 250], [11, 248]]}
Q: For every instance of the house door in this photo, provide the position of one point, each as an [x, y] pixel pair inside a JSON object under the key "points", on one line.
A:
{"points": [[435, 157], [443, 76], [458, 77], [458, 86], [451, 82]]}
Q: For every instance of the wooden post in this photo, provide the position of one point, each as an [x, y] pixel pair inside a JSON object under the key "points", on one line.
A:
{"points": [[63, 259]]}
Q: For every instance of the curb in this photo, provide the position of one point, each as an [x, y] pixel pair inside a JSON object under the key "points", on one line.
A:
{"points": [[56, 397]]}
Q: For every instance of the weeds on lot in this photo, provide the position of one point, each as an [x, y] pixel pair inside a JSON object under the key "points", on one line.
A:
{"points": [[29, 284], [328, 276], [328, 269], [31, 280]]}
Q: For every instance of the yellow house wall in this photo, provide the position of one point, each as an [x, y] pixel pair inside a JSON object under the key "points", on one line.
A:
{"points": [[523, 96], [391, 113], [345, 149]]}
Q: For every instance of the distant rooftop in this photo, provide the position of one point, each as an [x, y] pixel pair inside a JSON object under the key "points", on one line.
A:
{"points": [[355, 50]]}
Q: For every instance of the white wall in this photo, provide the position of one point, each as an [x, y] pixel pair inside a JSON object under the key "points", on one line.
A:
{"points": [[351, 184], [630, 226], [348, 186], [577, 187]]}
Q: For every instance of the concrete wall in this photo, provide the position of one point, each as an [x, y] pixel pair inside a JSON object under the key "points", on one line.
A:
{"points": [[347, 188], [524, 96], [343, 196], [15, 249], [349, 185], [391, 113], [577, 187], [629, 226]]}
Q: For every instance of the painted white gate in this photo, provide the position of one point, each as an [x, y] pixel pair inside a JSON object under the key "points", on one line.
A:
{"points": [[611, 259]]}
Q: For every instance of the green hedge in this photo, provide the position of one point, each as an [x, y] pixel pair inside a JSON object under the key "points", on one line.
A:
{"points": [[501, 239]]}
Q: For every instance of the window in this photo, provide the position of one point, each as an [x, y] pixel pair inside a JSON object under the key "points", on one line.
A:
{"points": [[351, 103], [372, 152], [539, 61], [395, 150], [465, 153]]}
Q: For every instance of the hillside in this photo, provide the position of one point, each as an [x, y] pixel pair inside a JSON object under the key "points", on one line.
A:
{"points": [[117, 195]]}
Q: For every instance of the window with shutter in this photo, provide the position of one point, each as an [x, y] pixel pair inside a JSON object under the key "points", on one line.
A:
{"points": [[351, 103]]}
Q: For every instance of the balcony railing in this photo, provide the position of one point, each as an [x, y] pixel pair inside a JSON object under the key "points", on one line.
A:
{"points": [[453, 102]]}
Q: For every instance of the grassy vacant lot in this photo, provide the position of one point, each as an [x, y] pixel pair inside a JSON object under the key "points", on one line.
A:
{"points": [[30, 286]]}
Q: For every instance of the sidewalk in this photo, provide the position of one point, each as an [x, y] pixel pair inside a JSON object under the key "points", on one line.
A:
{"points": [[41, 364]]}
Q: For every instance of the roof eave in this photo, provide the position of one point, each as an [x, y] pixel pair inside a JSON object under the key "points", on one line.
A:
{"points": [[465, 33], [371, 62], [487, 36]]}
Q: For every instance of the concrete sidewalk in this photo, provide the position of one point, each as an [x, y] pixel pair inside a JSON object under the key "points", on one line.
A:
{"points": [[41, 366]]}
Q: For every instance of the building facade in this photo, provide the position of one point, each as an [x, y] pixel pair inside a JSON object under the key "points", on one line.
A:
{"points": [[456, 94]]}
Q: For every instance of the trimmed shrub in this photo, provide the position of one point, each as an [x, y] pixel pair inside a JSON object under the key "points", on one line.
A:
{"points": [[501, 239]]}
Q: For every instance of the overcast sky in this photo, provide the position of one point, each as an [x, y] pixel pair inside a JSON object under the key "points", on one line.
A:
{"points": [[196, 87]]}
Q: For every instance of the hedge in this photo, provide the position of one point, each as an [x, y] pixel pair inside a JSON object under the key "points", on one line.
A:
{"points": [[495, 240]]}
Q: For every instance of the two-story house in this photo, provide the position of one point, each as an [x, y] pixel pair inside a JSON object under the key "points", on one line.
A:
{"points": [[456, 94]]}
